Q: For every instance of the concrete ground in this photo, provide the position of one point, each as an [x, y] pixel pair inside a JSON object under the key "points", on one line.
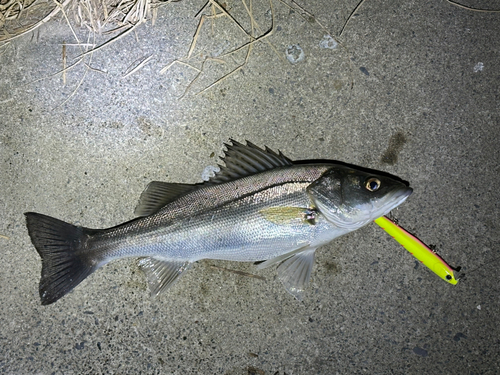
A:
{"points": [[413, 91]]}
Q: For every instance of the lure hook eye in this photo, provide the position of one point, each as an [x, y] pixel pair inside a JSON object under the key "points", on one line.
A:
{"points": [[372, 184]]}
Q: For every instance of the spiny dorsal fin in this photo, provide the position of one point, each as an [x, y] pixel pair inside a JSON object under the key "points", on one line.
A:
{"points": [[244, 160], [241, 160], [157, 194]]}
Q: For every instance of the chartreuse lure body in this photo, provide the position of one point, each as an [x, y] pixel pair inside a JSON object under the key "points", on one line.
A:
{"points": [[418, 249]]}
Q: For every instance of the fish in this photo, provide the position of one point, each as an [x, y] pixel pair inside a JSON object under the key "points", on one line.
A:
{"points": [[260, 207]]}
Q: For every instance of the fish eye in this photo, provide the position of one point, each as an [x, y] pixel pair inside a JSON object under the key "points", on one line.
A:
{"points": [[372, 184], [448, 277]]}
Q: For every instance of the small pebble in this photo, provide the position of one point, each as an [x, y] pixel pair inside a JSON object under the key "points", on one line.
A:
{"points": [[328, 42], [478, 67], [294, 54], [209, 172]]}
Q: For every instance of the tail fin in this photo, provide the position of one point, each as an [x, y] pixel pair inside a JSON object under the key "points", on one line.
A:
{"points": [[62, 249]]}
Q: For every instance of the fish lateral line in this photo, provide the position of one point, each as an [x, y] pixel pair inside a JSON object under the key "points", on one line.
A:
{"points": [[419, 250]]}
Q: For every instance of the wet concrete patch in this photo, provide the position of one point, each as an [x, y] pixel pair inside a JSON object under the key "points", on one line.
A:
{"points": [[396, 144]]}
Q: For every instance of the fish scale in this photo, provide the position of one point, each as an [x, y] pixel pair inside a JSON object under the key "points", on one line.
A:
{"points": [[233, 230]]}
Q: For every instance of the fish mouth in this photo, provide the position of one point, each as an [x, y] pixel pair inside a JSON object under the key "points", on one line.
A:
{"points": [[395, 198], [398, 197], [366, 212]]}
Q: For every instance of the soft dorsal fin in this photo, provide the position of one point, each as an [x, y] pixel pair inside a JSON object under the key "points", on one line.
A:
{"points": [[243, 160], [157, 194]]}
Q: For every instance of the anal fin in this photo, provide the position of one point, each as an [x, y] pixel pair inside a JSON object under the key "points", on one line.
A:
{"points": [[162, 274]]}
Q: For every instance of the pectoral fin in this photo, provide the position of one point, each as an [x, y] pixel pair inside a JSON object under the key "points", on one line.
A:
{"points": [[162, 274], [286, 215]]}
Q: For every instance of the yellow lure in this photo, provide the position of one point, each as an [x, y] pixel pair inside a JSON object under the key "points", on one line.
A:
{"points": [[418, 249]]}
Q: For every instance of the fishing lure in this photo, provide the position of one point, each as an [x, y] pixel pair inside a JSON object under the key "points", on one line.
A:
{"points": [[418, 249]]}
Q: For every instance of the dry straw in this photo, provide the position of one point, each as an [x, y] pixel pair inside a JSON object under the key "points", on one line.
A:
{"points": [[117, 18], [19, 17]]}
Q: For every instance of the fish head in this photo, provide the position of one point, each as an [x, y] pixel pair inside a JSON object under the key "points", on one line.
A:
{"points": [[350, 198]]}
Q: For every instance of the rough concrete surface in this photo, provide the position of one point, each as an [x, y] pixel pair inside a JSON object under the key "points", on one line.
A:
{"points": [[413, 91]]}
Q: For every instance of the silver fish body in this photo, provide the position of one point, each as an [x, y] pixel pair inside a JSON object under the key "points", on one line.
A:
{"points": [[259, 207]]}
